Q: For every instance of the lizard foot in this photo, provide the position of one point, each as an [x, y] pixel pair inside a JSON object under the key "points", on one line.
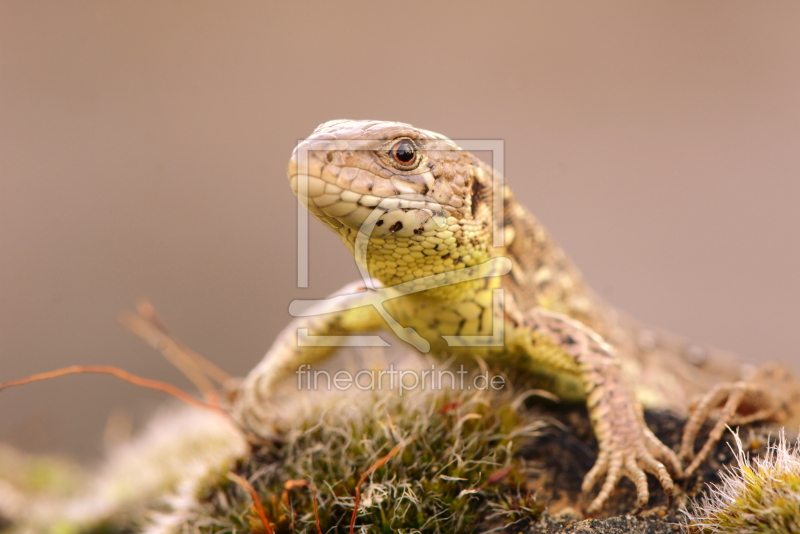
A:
{"points": [[771, 394], [631, 454], [741, 403]]}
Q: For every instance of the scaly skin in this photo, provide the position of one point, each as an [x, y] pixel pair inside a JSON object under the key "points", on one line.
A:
{"points": [[417, 213]]}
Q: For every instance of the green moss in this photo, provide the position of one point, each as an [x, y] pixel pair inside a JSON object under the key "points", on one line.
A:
{"points": [[34, 475], [757, 496], [440, 481]]}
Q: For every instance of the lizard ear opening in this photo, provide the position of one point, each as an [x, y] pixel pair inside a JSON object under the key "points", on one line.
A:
{"points": [[477, 196]]}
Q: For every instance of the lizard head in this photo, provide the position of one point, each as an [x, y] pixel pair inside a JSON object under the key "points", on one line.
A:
{"points": [[422, 204]]}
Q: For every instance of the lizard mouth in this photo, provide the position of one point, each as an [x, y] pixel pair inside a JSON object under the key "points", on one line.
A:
{"points": [[346, 186], [401, 214]]}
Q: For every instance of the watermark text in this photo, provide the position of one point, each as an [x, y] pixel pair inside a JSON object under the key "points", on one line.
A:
{"points": [[401, 380]]}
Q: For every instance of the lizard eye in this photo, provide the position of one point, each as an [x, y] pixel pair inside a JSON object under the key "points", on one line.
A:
{"points": [[404, 153]]}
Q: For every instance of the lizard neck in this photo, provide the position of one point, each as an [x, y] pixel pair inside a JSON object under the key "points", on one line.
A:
{"points": [[457, 245]]}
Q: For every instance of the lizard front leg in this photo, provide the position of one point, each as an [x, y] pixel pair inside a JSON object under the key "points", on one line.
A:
{"points": [[627, 447], [352, 309]]}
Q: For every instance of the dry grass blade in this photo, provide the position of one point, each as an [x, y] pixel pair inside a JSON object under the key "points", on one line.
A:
{"points": [[299, 483], [377, 465], [151, 329], [119, 373], [496, 477], [148, 312], [164, 344], [256, 501]]}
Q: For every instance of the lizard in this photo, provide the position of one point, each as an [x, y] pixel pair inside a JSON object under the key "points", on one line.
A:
{"points": [[423, 218]]}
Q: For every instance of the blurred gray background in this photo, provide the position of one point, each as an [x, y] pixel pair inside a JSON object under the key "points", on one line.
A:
{"points": [[143, 148]]}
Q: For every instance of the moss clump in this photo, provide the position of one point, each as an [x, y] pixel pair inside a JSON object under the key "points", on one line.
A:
{"points": [[456, 471], [178, 455], [756, 496]]}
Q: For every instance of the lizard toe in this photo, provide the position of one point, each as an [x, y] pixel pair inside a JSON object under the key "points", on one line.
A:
{"points": [[665, 454], [598, 470], [613, 475], [639, 479]]}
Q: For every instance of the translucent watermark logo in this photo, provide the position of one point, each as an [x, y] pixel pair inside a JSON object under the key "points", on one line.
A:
{"points": [[433, 211], [401, 380]]}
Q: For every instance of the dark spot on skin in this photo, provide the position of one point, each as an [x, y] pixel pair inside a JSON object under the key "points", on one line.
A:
{"points": [[436, 247], [425, 190], [396, 227], [459, 242], [477, 196], [460, 326], [417, 231], [514, 323], [474, 242], [445, 256], [379, 223], [329, 156], [568, 340], [458, 260]]}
